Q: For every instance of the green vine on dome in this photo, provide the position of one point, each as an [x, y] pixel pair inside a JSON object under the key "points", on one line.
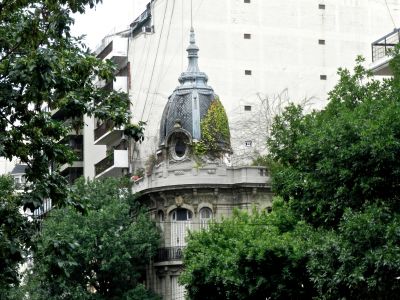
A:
{"points": [[215, 135]]}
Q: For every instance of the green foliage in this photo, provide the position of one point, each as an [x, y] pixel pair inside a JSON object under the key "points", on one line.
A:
{"points": [[257, 256], [361, 260], [215, 135], [99, 255], [15, 236], [41, 64], [344, 156]]}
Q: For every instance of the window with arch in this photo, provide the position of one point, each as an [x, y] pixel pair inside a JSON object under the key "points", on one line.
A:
{"points": [[179, 146], [181, 222], [181, 214], [205, 217]]}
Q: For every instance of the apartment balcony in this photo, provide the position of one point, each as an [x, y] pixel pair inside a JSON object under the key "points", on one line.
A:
{"points": [[107, 133], [114, 48], [120, 84], [381, 50], [115, 164], [169, 254]]}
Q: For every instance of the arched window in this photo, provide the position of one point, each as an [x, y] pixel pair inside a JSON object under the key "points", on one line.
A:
{"points": [[179, 146], [181, 214], [181, 223], [205, 217]]}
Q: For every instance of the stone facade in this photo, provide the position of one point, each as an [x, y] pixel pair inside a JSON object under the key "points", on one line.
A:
{"points": [[190, 182]]}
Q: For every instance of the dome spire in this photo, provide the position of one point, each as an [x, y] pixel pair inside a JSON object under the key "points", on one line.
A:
{"points": [[193, 72]]}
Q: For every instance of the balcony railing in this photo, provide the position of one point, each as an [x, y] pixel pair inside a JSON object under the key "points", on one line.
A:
{"points": [[169, 253], [382, 47], [103, 129], [104, 164]]}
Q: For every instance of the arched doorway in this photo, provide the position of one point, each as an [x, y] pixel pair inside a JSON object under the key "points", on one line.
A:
{"points": [[181, 222]]}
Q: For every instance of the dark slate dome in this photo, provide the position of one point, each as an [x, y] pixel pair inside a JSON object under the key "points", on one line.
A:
{"points": [[190, 101]]}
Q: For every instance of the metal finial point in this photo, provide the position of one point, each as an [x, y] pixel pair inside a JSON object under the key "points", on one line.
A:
{"points": [[192, 36]]}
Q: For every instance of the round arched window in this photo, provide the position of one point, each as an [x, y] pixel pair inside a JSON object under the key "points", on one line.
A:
{"points": [[181, 214], [205, 217], [180, 148]]}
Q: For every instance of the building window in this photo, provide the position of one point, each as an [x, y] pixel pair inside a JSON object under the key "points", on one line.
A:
{"points": [[248, 143], [247, 72], [247, 107], [246, 1], [178, 146], [177, 290], [321, 42], [205, 217], [247, 36], [181, 223], [181, 214], [322, 77], [321, 6]]}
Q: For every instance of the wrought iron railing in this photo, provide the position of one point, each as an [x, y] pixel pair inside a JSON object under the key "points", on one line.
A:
{"points": [[169, 253], [104, 164], [384, 45], [103, 129]]}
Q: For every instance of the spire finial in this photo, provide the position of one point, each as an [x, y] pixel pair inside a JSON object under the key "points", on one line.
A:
{"points": [[193, 53]]}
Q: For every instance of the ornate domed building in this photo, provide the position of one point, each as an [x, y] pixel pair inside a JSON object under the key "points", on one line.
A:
{"points": [[190, 180], [194, 124]]}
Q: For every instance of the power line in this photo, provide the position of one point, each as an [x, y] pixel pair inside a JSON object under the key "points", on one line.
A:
{"points": [[155, 59], [390, 14], [158, 83]]}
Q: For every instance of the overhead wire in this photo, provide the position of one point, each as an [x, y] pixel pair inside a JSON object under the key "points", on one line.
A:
{"points": [[158, 83], [390, 14], [155, 59]]}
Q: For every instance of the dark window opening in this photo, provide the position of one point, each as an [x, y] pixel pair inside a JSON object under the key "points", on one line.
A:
{"points": [[321, 42], [246, 1], [247, 72], [180, 148], [247, 107], [322, 77], [321, 6], [247, 36], [181, 214]]}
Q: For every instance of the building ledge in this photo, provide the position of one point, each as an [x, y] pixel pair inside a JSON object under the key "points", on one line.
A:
{"points": [[174, 178]]}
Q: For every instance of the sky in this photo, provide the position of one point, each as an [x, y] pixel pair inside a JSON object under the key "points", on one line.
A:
{"points": [[108, 17]]}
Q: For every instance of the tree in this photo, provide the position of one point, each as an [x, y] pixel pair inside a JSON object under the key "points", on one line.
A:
{"points": [[15, 233], [345, 156], [99, 255], [42, 65], [338, 173], [257, 256]]}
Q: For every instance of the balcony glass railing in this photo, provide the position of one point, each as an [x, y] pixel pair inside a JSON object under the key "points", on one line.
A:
{"points": [[103, 129], [169, 253], [382, 47], [104, 164]]}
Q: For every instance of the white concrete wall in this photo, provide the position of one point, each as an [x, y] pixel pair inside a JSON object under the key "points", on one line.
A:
{"points": [[283, 53], [92, 153], [6, 166]]}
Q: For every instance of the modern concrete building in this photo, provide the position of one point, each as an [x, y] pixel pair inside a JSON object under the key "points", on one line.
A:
{"points": [[105, 145], [185, 187], [261, 54]]}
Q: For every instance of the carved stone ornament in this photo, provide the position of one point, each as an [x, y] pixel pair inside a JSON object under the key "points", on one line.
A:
{"points": [[179, 201]]}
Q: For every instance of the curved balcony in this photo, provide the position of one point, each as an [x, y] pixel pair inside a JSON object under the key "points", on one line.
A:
{"points": [[169, 254]]}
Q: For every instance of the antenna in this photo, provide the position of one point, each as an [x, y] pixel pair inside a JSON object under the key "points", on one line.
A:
{"points": [[191, 13]]}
